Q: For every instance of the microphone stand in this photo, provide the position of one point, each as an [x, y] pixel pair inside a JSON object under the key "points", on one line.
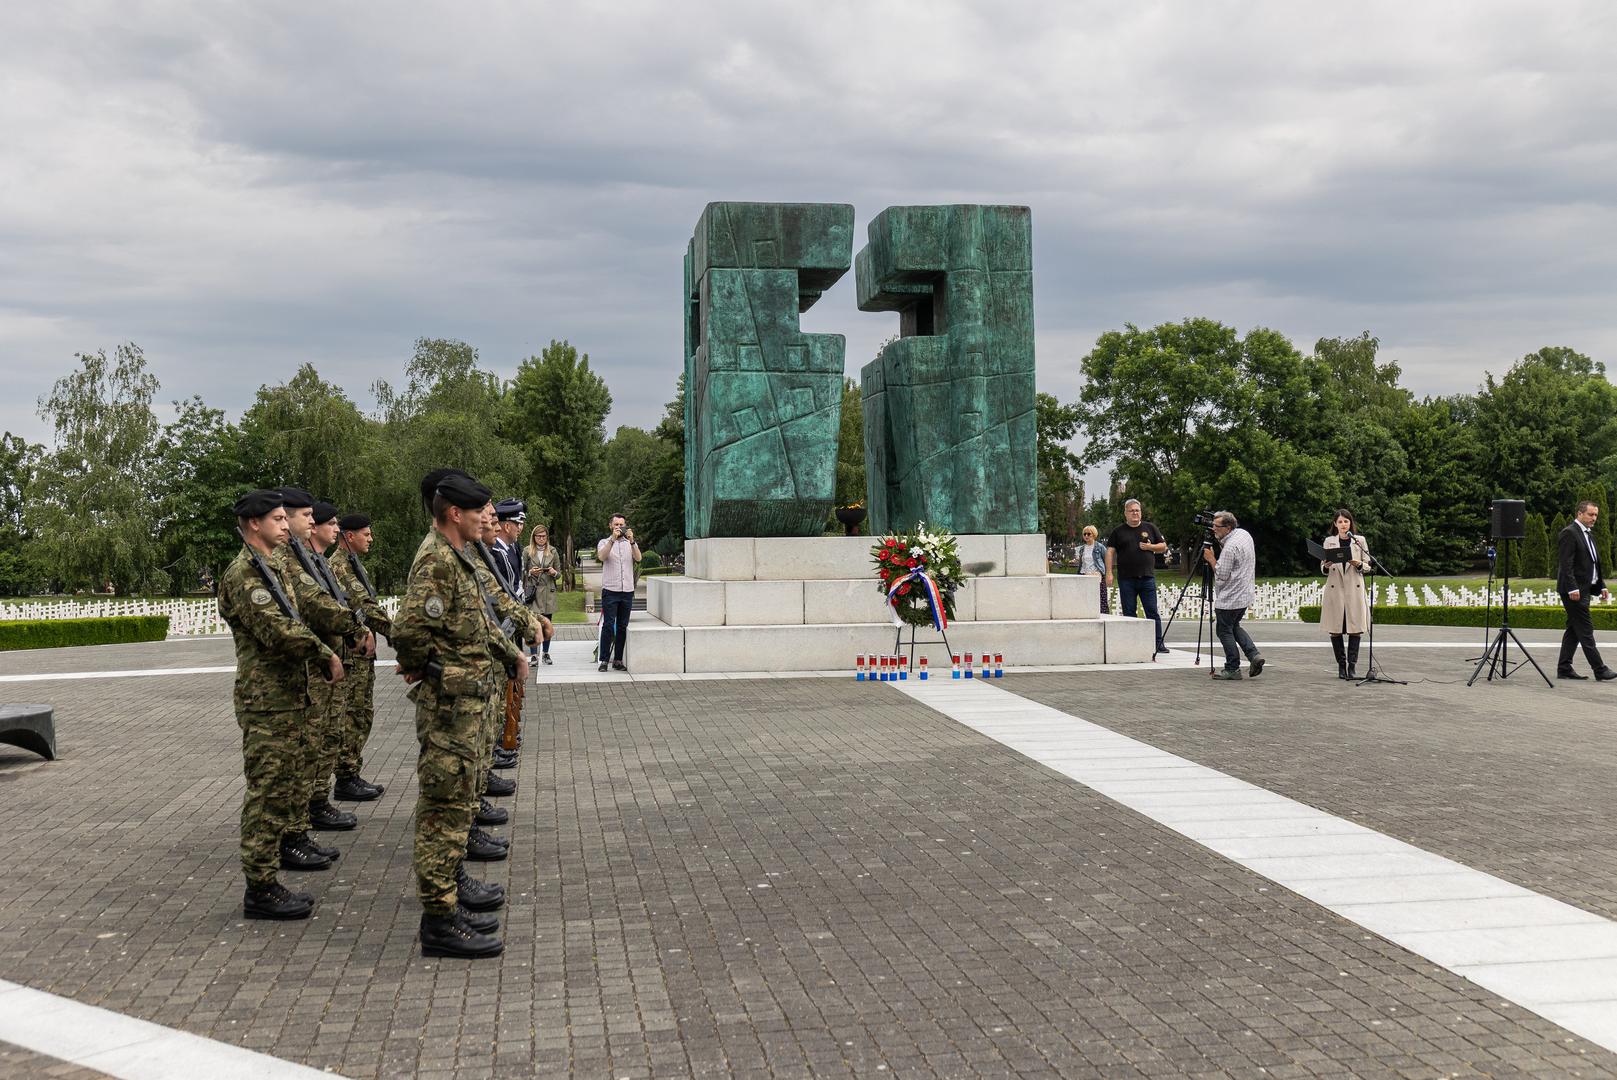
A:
{"points": [[1370, 673]]}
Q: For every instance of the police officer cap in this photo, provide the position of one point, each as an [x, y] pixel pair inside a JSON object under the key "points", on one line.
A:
{"points": [[295, 498], [324, 512], [430, 482], [353, 522], [256, 504], [462, 491], [511, 510]]}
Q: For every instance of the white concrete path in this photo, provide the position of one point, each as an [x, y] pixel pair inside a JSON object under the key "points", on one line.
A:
{"points": [[125, 1047], [1547, 956]]}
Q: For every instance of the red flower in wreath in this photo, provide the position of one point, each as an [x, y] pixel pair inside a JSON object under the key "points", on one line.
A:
{"points": [[891, 541], [911, 564], [904, 588]]}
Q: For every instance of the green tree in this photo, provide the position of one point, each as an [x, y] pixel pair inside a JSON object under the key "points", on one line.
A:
{"points": [[1060, 491], [1197, 417], [1548, 429], [89, 503], [851, 447], [624, 482], [558, 418], [448, 413], [20, 571], [307, 433], [199, 472], [1535, 548], [662, 513], [1445, 455]]}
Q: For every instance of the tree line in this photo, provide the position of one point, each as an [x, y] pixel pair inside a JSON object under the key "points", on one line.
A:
{"points": [[1194, 416], [1189, 416], [120, 498]]}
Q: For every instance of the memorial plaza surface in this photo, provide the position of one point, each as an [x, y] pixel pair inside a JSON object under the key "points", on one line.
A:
{"points": [[793, 877]]}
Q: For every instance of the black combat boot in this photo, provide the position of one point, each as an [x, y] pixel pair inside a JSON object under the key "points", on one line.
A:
{"points": [[475, 895], [1353, 655], [272, 900], [478, 923], [318, 848], [489, 814], [480, 847], [505, 759], [1341, 656], [481, 834], [356, 789], [499, 786], [324, 816], [445, 935], [295, 855]]}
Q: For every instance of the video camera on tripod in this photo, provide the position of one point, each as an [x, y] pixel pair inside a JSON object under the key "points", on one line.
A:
{"points": [[1197, 567], [1204, 519]]}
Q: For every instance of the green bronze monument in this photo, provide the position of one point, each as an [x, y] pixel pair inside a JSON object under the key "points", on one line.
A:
{"points": [[763, 400], [949, 406]]}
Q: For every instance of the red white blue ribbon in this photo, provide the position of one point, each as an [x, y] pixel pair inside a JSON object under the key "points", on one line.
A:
{"points": [[929, 588]]}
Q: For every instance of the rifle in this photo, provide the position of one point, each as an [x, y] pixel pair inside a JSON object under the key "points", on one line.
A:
{"points": [[271, 582], [515, 691]]}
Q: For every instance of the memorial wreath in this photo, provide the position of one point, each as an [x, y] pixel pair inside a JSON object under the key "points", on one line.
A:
{"points": [[918, 571]]}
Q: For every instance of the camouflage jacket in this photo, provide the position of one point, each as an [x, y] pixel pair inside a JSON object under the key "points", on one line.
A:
{"points": [[347, 567], [272, 647], [335, 623], [443, 618]]}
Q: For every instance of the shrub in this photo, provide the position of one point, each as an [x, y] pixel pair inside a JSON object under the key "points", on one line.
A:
{"points": [[651, 560], [1522, 618], [66, 633]]}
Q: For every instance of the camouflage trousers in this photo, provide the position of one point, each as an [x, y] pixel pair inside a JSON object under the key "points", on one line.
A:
{"points": [[493, 725], [359, 712], [449, 730], [325, 709], [272, 754]]}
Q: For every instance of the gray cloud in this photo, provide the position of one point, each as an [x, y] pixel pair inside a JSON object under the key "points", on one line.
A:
{"points": [[241, 188]]}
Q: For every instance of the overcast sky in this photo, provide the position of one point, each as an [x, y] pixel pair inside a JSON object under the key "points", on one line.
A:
{"points": [[240, 188]]}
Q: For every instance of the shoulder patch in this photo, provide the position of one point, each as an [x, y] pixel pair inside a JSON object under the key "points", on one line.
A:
{"points": [[307, 580], [434, 607], [260, 596]]}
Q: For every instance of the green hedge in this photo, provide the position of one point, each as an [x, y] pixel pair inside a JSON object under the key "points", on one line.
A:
{"points": [[1521, 617], [64, 633]]}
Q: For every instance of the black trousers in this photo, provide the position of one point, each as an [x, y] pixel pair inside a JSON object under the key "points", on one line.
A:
{"points": [[615, 608], [1580, 630]]}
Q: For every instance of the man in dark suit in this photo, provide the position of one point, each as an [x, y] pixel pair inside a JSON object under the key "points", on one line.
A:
{"points": [[1578, 583]]}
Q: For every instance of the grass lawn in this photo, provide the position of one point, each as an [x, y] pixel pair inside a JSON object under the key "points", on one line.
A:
{"points": [[570, 608]]}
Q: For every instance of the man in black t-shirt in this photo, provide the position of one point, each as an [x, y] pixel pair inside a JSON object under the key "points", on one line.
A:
{"points": [[1131, 561]]}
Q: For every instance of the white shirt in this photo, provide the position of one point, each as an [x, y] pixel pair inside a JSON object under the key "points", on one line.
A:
{"points": [[1594, 556], [617, 565]]}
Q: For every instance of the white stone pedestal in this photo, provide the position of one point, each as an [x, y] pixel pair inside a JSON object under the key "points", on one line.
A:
{"points": [[811, 604]]}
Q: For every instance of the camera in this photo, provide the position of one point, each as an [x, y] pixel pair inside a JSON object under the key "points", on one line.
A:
{"points": [[1203, 519]]}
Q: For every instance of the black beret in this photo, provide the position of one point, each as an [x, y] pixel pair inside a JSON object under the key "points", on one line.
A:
{"points": [[511, 510], [430, 482], [462, 491], [256, 504], [353, 522], [324, 512], [295, 498]]}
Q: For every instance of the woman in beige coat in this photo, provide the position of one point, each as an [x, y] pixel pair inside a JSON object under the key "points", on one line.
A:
{"points": [[541, 566], [1345, 607]]}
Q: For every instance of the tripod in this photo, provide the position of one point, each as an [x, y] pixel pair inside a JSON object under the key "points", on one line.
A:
{"points": [[1496, 657], [1204, 613], [1371, 674]]}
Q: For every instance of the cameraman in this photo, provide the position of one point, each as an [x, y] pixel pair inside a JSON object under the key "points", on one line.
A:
{"points": [[618, 555], [1234, 584]]}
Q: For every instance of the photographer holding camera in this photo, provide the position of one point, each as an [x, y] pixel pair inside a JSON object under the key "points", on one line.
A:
{"points": [[1234, 586], [618, 555]]}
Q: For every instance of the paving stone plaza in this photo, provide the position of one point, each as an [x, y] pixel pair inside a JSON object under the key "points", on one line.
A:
{"points": [[810, 876]]}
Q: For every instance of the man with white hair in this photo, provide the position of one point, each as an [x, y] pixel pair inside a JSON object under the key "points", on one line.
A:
{"points": [[1131, 562], [1235, 570]]}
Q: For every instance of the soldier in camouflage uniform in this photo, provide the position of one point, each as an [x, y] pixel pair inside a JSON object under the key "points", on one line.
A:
{"points": [[271, 697], [518, 624], [359, 709], [340, 628], [448, 646], [355, 653]]}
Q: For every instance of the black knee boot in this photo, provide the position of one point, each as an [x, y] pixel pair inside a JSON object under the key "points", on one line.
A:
{"points": [[1341, 657], [1352, 655]]}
